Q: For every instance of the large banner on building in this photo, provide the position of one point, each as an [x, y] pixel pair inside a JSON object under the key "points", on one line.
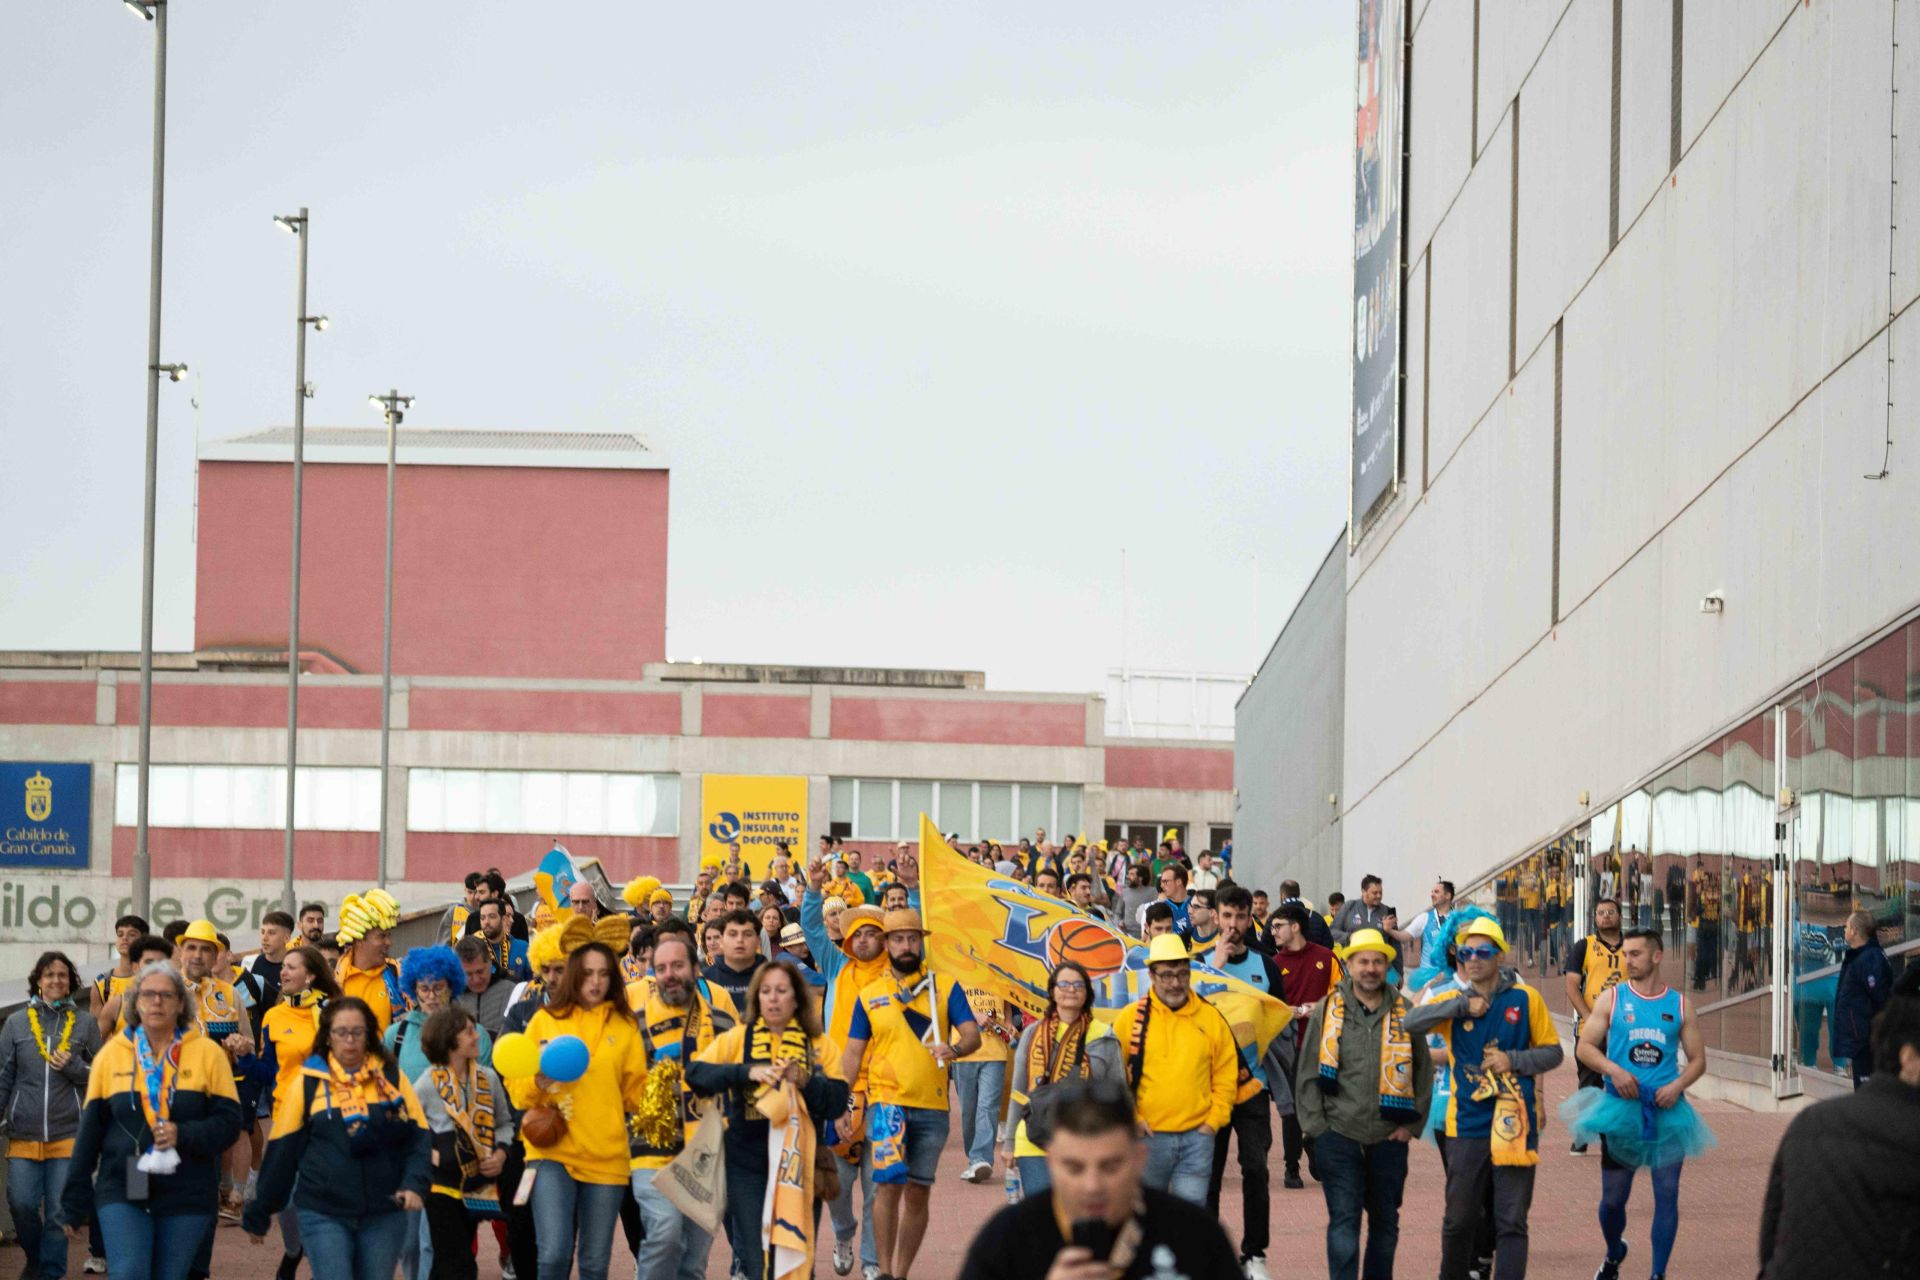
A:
{"points": [[993, 932], [755, 810], [46, 813], [1379, 120]]}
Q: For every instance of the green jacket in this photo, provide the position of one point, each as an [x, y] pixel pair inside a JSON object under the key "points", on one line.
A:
{"points": [[1354, 1111]]}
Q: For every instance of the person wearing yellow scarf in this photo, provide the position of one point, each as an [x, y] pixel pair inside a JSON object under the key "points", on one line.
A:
{"points": [[45, 1051], [778, 1079], [1066, 1043]]}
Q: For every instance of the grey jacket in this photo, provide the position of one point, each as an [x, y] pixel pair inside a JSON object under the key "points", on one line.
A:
{"points": [[39, 1103], [1354, 1111], [1526, 1062], [1103, 1063]]}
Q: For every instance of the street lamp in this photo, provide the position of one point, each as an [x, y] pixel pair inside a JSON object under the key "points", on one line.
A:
{"points": [[393, 407], [301, 227], [154, 11]]}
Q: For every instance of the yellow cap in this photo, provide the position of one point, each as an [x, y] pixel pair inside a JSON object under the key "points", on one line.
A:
{"points": [[1485, 928], [201, 931], [1168, 949], [1366, 940]]}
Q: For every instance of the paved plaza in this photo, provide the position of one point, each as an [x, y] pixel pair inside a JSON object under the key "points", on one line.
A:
{"points": [[1720, 1206]]}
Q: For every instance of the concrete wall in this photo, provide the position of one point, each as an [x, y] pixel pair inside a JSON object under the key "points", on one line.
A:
{"points": [[1287, 731], [498, 571], [1704, 396]]}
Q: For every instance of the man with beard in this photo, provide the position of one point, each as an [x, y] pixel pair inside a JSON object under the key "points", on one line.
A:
{"points": [[1363, 1097], [917, 1024], [313, 922], [1307, 969], [676, 1022], [488, 988], [1593, 967], [1251, 1123], [1080, 894], [848, 961], [509, 953]]}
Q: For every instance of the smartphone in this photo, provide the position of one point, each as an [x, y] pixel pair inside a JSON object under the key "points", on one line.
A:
{"points": [[1093, 1235], [136, 1181]]}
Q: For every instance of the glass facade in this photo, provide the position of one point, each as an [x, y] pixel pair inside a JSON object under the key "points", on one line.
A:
{"points": [[890, 808], [1748, 856]]}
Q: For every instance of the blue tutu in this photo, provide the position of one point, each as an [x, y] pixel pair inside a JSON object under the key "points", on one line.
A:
{"points": [[1636, 1132]]}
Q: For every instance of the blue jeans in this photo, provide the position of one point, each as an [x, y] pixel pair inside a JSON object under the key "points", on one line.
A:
{"points": [[143, 1247], [841, 1206], [1034, 1174], [563, 1208], [33, 1193], [1180, 1163], [1354, 1178], [979, 1087], [416, 1247], [925, 1137], [673, 1247], [365, 1248]]}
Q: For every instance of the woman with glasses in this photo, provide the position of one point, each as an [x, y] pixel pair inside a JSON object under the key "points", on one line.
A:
{"points": [[286, 1042], [575, 1131], [45, 1050], [161, 1109], [1066, 1043], [349, 1148], [434, 977]]}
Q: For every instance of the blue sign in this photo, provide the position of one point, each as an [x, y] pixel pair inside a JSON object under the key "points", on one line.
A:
{"points": [[46, 813]]}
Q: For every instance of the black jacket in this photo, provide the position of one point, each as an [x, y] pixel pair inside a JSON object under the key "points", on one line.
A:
{"points": [[1866, 983], [1841, 1199]]}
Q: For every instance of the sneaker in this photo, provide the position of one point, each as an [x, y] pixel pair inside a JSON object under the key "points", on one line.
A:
{"points": [[231, 1206], [869, 1272], [94, 1266], [979, 1171], [1610, 1269], [1293, 1182], [506, 1270], [842, 1257], [1255, 1268], [1578, 1148], [289, 1266]]}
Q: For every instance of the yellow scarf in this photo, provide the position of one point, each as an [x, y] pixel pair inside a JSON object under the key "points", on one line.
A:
{"points": [[1043, 1067], [1511, 1120], [40, 1037], [1396, 1057], [349, 1093], [786, 1217]]}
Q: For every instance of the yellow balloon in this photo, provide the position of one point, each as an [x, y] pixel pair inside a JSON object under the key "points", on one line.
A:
{"points": [[516, 1056]]}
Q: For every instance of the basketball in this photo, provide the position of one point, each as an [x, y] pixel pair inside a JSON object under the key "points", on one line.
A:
{"points": [[1088, 943]]}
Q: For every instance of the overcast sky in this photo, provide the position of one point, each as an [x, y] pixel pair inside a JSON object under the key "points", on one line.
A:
{"points": [[932, 308]]}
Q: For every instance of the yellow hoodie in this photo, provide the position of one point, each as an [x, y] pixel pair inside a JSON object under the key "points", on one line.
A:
{"points": [[594, 1148], [1190, 1067]]}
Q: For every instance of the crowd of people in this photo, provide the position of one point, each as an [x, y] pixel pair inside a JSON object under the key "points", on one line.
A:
{"points": [[737, 1069]]}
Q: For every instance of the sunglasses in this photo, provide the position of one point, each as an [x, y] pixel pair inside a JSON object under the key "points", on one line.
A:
{"points": [[1486, 952]]}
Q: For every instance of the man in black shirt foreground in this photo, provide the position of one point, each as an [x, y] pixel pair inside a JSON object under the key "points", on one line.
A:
{"points": [[1096, 1221]]}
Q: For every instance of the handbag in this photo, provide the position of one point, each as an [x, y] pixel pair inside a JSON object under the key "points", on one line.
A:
{"points": [[826, 1172], [695, 1181]]}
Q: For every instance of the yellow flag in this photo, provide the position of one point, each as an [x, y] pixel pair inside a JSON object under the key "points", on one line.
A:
{"points": [[988, 930]]}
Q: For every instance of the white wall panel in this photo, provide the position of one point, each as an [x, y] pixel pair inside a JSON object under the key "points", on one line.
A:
{"points": [[1906, 160], [1512, 35], [1471, 270], [1413, 360], [1565, 156], [1461, 592], [1740, 288], [1439, 116], [1720, 40], [1646, 103]]}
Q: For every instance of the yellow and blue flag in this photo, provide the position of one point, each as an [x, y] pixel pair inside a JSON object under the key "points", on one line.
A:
{"points": [[988, 930], [555, 876]]}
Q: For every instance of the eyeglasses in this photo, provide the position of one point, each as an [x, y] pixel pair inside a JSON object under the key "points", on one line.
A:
{"points": [[348, 1033], [1070, 984], [157, 995], [1487, 952]]}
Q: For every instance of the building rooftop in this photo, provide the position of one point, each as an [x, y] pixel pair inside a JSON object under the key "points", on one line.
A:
{"points": [[445, 447]]}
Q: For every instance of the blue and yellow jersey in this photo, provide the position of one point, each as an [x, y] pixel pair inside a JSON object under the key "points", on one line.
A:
{"points": [[1516, 1020]]}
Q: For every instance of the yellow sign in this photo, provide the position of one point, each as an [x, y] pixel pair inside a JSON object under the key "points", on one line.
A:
{"points": [[755, 811]]}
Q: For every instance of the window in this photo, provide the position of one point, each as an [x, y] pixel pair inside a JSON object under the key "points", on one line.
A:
{"points": [[249, 797], [543, 803], [890, 809]]}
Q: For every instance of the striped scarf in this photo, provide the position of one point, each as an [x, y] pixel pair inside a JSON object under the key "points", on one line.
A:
{"points": [[786, 1216], [1396, 1056], [352, 1094], [1044, 1066]]}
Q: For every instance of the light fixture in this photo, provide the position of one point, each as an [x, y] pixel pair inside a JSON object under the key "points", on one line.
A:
{"points": [[1714, 601], [320, 323], [306, 389], [176, 372], [144, 8], [288, 222]]}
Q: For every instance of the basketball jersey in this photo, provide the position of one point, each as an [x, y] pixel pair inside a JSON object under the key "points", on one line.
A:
{"points": [[1644, 1036], [1600, 968]]}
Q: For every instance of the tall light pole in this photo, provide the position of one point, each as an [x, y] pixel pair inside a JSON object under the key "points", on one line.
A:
{"points": [[302, 228], [393, 407], [154, 11]]}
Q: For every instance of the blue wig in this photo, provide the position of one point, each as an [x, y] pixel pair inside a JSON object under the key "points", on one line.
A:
{"points": [[432, 964], [1433, 949]]}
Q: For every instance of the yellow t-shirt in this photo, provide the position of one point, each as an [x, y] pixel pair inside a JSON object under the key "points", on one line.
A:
{"points": [[899, 1024], [990, 1012]]}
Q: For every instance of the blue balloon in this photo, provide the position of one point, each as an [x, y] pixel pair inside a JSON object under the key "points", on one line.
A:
{"points": [[564, 1059]]}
